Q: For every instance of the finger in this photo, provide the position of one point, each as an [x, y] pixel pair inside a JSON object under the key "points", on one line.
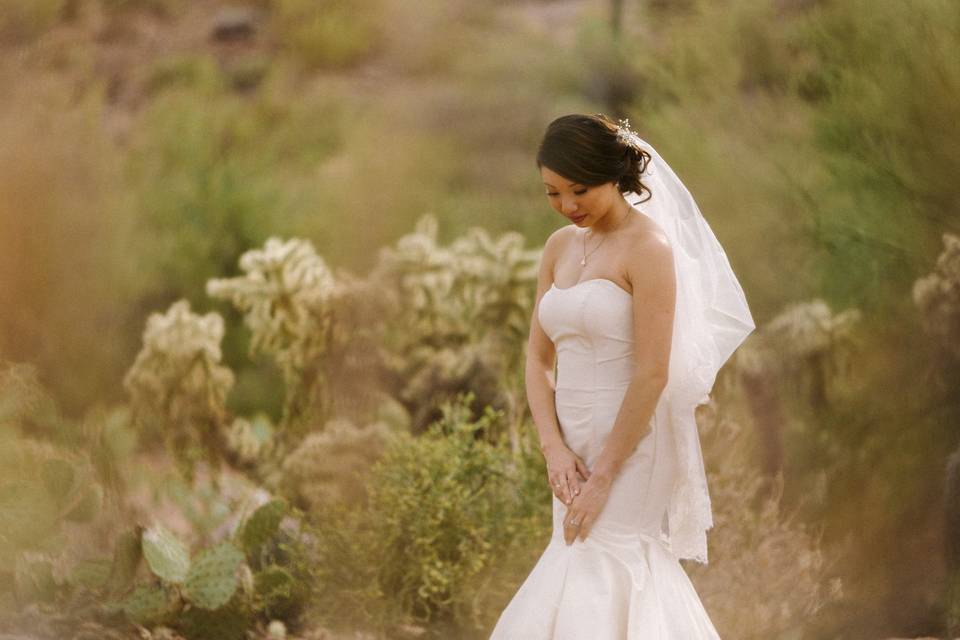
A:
{"points": [[573, 482], [566, 489], [557, 487], [582, 468], [584, 528], [570, 526]]}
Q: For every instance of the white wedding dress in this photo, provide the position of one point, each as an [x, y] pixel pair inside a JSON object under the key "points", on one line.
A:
{"points": [[622, 582]]}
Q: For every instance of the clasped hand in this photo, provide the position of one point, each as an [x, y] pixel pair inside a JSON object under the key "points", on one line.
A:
{"points": [[583, 492]]}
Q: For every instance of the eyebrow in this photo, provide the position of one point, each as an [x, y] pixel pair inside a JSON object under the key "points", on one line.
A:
{"points": [[572, 184]]}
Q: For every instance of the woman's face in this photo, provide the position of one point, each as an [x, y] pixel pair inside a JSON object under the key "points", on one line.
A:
{"points": [[581, 204]]}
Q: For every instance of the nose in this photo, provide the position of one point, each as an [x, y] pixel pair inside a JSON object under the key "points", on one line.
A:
{"points": [[569, 206]]}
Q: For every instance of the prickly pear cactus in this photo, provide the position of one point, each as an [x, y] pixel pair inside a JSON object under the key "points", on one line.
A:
{"points": [[261, 526], [41, 487], [229, 622], [167, 556], [91, 573], [212, 580], [150, 604]]}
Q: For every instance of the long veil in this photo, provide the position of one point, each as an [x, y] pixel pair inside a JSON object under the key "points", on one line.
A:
{"points": [[711, 320]]}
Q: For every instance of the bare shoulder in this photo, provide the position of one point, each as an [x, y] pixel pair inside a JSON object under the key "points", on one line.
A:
{"points": [[650, 252], [557, 240]]}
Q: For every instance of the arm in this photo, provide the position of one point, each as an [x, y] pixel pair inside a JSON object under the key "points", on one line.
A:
{"points": [[563, 465], [651, 273], [541, 355]]}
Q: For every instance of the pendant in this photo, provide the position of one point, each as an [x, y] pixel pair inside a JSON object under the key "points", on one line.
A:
{"points": [[583, 262]]}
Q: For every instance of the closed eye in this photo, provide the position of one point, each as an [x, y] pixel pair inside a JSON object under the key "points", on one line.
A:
{"points": [[579, 193]]}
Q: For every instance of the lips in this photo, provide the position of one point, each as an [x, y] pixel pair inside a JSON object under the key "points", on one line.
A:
{"points": [[579, 218]]}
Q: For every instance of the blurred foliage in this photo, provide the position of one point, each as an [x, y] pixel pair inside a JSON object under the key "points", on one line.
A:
{"points": [[891, 86], [769, 573], [460, 318], [178, 386], [331, 465], [142, 160], [202, 175], [24, 20], [444, 509], [285, 296], [937, 295], [328, 33]]}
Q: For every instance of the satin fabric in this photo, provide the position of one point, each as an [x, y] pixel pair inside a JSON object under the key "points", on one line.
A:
{"points": [[623, 581]]}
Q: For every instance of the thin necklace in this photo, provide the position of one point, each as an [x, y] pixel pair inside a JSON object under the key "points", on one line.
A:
{"points": [[586, 255]]}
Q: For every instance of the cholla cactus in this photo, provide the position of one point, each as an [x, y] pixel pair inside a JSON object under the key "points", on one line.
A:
{"points": [[477, 291], [802, 331], [178, 385], [285, 297], [249, 440], [938, 297], [475, 286], [807, 344]]}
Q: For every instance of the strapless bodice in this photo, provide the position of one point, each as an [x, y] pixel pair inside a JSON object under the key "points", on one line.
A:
{"points": [[591, 326]]}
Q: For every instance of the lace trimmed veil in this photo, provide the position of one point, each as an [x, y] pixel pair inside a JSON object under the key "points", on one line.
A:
{"points": [[711, 320]]}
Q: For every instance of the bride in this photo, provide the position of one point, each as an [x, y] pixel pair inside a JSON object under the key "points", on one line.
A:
{"points": [[639, 307]]}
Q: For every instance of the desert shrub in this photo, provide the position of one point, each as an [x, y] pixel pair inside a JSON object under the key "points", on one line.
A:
{"points": [[328, 33], [768, 573], [330, 465], [441, 509], [206, 181], [21, 21]]}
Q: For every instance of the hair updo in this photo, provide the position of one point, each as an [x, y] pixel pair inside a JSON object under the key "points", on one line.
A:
{"points": [[587, 150]]}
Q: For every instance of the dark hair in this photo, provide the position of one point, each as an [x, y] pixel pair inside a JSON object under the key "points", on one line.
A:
{"points": [[586, 149]]}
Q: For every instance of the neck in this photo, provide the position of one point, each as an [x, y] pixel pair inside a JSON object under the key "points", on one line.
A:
{"points": [[613, 219]]}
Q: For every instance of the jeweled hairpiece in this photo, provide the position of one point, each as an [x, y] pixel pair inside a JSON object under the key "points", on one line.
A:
{"points": [[626, 135]]}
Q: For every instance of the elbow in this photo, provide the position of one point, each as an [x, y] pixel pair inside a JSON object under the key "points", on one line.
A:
{"points": [[652, 377]]}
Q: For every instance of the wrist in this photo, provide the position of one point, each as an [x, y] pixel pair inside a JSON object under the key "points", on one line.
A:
{"points": [[551, 444], [603, 473]]}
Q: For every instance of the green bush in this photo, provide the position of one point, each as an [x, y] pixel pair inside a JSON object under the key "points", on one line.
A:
{"points": [[443, 507], [328, 33]]}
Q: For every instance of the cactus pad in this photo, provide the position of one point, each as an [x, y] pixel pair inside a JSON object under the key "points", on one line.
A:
{"points": [[262, 525], [149, 604], [212, 580], [91, 573], [167, 556], [229, 622]]}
